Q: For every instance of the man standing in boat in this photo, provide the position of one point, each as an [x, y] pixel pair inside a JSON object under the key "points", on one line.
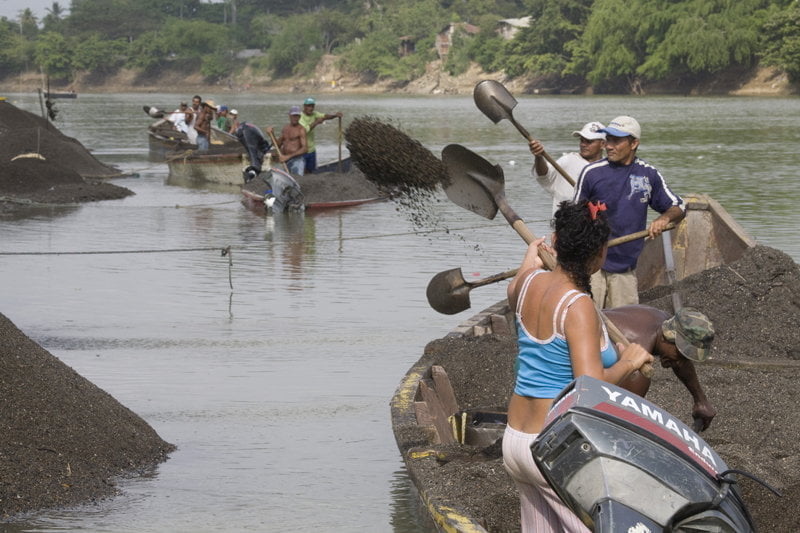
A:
{"points": [[310, 119], [292, 144], [590, 149], [627, 185]]}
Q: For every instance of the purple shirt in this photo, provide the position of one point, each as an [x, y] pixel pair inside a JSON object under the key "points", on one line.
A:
{"points": [[627, 191]]}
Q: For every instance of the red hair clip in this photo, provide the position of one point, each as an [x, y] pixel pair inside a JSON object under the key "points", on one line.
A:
{"points": [[594, 207]]}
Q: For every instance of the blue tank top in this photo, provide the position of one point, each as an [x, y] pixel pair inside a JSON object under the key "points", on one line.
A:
{"points": [[544, 367]]}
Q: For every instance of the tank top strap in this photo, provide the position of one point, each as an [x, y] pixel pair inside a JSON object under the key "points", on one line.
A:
{"points": [[569, 298], [524, 290]]}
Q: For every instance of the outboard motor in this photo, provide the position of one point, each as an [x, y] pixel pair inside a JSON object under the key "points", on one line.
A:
{"points": [[622, 464], [285, 194]]}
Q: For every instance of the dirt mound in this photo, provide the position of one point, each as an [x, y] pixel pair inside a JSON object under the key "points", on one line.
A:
{"points": [[755, 305], [40, 164], [62, 439], [23, 132]]}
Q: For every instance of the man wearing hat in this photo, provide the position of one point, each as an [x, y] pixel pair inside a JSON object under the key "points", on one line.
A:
{"points": [[234, 116], [292, 143], [223, 121], [590, 148], [203, 124], [678, 341], [310, 119], [627, 185]]}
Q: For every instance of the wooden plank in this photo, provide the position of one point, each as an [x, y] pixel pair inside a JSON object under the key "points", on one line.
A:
{"points": [[424, 417], [444, 390], [440, 422]]}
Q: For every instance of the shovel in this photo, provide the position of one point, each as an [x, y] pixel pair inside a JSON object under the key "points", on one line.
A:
{"points": [[494, 101], [448, 291], [478, 186], [277, 149]]}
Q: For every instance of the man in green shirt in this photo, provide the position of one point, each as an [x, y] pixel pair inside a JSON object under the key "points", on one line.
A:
{"points": [[310, 119]]}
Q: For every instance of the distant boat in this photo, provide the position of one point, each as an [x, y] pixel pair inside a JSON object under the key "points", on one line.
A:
{"points": [[70, 94]]}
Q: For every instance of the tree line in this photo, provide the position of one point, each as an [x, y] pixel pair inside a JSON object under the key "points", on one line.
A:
{"points": [[610, 45]]}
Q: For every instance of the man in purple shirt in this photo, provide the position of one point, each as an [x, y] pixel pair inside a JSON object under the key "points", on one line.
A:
{"points": [[627, 186]]}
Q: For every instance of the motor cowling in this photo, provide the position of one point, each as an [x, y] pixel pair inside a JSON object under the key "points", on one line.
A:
{"points": [[622, 464]]}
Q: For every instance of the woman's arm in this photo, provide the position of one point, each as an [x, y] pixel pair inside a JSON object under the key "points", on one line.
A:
{"points": [[531, 261], [583, 332]]}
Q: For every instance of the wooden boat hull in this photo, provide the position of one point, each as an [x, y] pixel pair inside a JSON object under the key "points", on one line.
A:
{"points": [[52, 95], [254, 201], [165, 142], [708, 237], [222, 169]]}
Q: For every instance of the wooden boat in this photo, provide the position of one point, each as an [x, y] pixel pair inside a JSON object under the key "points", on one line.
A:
{"points": [[253, 196], [424, 410], [51, 95], [165, 141], [224, 168]]}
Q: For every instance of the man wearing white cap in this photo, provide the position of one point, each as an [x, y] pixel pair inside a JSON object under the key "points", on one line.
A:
{"points": [[592, 142], [626, 185]]}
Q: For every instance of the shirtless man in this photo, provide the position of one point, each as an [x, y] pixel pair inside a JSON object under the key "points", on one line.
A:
{"points": [[292, 143], [677, 341]]}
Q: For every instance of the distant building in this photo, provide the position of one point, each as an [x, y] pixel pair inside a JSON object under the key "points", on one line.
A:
{"points": [[247, 53], [507, 28], [444, 39], [407, 46]]}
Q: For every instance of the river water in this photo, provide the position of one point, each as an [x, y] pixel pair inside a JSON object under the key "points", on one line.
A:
{"points": [[272, 369]]}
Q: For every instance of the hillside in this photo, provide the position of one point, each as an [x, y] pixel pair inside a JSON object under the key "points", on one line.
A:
{"points": [[328, 78]]}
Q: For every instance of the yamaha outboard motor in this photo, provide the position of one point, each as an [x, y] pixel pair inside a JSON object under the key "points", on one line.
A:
{"points": [[285, 194], [622, 464]]}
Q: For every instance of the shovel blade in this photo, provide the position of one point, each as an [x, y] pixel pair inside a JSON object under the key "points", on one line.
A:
{"points": [[448, 292], [473, 183], [494, 100]]}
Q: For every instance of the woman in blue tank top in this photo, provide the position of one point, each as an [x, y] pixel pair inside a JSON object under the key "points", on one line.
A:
{"points": [[561, 336]]}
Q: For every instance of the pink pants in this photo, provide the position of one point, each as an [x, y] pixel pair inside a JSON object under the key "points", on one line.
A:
{"points": [[541, 509]]}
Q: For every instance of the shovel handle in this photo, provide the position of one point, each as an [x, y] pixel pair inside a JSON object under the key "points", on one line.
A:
{"points": [[547, 156], [638, 235], [278, 149]]}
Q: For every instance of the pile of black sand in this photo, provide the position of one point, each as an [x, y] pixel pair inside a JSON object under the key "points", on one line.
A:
{"points": [[751, 380], [63, 441], [326, 186], [399, 165], [40, 164]]}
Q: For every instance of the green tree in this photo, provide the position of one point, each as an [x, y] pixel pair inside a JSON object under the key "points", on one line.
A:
{"points": [[149, 51], [296, 47], [53, 54], [28, 24], [54, 20], [95, 54], [113, 19], [195, 38], [781, 40], [15, 50], [706, 37]]}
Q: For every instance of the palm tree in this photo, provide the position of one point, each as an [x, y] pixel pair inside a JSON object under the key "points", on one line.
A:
{"points": [[54, 16]]}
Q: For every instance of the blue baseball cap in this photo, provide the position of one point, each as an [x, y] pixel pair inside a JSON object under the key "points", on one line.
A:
{"points": [[223, 108]]}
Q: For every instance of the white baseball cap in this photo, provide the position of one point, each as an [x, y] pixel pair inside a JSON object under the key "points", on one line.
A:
{"points": [[623, 126], [591, 131]]}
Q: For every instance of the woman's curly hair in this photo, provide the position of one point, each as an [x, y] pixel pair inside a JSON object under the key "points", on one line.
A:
{"points": [[580, 235]]}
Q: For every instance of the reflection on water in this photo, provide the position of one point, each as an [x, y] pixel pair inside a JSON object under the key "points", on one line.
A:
{"points": [[272, 368]]}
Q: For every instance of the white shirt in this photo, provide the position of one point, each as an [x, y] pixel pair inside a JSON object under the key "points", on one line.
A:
{"points": [[554, 183]]}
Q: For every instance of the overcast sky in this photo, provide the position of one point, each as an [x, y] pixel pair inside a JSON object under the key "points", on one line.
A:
{"points": [[10, 8]]}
